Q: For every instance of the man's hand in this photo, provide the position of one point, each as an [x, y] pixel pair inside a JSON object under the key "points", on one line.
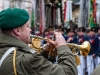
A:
{"points": [[93, 55], [59, 40]]}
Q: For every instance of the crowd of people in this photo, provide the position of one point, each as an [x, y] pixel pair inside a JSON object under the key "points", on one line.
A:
{"points": [[78, 36]]}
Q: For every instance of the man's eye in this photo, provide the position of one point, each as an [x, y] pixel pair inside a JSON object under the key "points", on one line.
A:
{"points": [[28, 25]]}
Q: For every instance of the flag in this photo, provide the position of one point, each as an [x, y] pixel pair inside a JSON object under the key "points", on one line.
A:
{"points": [[34, 9], [94, 11], [68, 13], [91, 17], [65, 5], [42, 16], [54, 14], [84, 13], [32, 19], [48, 14], [58, 14], [98, 13]]}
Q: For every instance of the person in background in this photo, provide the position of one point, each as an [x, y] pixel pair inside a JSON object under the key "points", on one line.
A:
{"points": [[62, 30], [97, 69], [92, 61], [87, 32], [71, 38], [81, 37], [98, 35], [56, 28], [45, 35], [51, 31]]}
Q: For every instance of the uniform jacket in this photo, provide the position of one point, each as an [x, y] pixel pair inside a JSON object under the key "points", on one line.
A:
{"points": [[73, 40], [28, 63], [98, 53], [94, 42], [81, 39]]}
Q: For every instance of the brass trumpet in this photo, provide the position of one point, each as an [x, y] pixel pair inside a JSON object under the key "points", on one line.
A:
{"points": [[76, 49]]}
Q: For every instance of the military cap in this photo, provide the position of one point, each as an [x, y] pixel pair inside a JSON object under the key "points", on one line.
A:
{"points": [[87, 30], [13, 18], [98, 27], [62, 29], [81, 29], [93, 29], [56, 27], [50, 28], [46, 30], [70, 30]]}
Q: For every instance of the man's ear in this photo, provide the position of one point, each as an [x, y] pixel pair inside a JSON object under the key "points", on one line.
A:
{"points": [[16, 31]]}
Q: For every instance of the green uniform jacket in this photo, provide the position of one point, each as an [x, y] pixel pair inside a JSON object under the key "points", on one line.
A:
{"points": [[29, 63], [96, 70]]}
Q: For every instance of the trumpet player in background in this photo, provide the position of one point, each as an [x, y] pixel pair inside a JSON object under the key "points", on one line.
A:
{"points": [[17, 58], [71, 38], [92, 59], [80, 39]]}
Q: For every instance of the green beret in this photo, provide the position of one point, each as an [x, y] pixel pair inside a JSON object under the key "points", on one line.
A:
{"points": [[13, 18]]}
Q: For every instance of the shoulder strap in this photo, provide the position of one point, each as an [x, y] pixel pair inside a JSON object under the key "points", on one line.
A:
{"points": [[6, 54]]}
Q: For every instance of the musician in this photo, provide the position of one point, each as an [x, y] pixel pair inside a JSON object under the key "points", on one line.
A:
{"points": [[87, 32], [71, 38], [17, 58], [51, 31], [46, 35], [98, 35], [80, 39], [56, 28], [62, 30], [97, 69], [92, 56]]}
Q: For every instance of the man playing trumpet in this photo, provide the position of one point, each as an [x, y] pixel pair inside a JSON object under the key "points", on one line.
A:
{"points": [[17, 58]]}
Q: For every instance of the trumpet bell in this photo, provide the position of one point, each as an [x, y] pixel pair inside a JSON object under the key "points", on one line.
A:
{"points": [[84, 48]]}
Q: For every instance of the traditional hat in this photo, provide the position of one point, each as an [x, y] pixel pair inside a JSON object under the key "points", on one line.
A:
{"points": [[81, 29], [13, 18], [50, 28], [93, 29], [46, 30], [87, 30], [70, 30], [56, 27], [99, 28]]}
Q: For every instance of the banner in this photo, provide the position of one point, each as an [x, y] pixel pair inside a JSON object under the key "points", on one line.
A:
{"points": [[65, 6], [98, 13], [32, 19], [33, 22], [68, 13], [48, 7], [42, 16], [94, 11], [91, 15], [84, 13]]}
